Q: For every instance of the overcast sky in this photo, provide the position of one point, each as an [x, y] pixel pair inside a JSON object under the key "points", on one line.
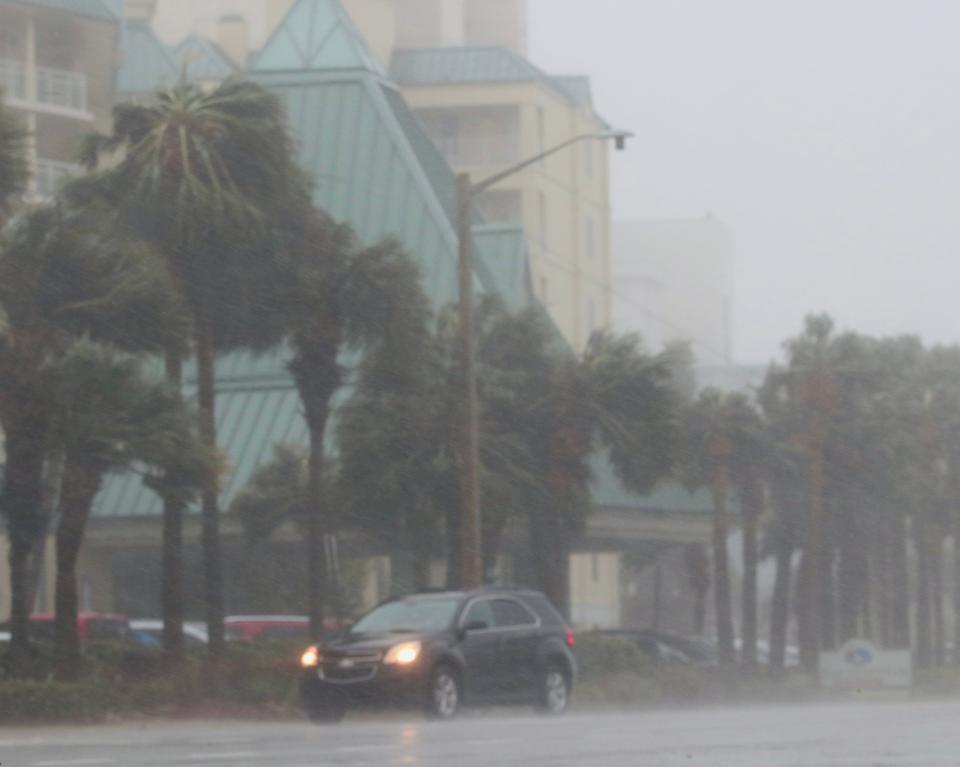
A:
{"points": [[825, 133]]}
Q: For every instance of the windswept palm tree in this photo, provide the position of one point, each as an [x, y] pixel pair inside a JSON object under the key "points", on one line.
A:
{"points": [[343, 299], [105, 416], [207, 175], [62, 278], [613, 397]]}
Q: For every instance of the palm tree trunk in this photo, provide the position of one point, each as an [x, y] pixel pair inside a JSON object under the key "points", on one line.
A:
{"points": [[171, 591], [955, 520], [721, 569], [813, 561], [81, 483], [752, 508], [698, 576], [210, 511], [316, 526], [900, 581], [780, 607], [936, 596], [22, 504], [827, 580], [922, 615], [848, 591], [318, 378]]}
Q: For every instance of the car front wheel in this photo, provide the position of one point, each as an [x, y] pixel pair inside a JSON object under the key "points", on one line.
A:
{"points": [[444, 695], [554, 691]]}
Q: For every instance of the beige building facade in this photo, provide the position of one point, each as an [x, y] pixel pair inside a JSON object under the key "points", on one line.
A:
{"points": [[57, 70]]}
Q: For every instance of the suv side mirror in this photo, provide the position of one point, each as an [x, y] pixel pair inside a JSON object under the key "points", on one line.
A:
{"points": [[474, 626]]}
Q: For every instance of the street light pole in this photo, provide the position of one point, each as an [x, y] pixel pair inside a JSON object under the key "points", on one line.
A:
{"points": [[470, 527], [471, 555]]}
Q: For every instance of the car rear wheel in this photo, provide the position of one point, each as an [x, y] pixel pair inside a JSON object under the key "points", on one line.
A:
{"points": [[554, 691], [444, 695]]}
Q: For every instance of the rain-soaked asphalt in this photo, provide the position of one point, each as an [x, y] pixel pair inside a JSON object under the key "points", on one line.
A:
{"points": [[866, 735]]}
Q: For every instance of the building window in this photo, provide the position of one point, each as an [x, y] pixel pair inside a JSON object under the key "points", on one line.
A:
{"points": [[588, 237], [591, 317], [501, 206], [595, 566], [588, 159]]}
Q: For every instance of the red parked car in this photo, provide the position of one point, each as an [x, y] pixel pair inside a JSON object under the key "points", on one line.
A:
{"points": [[266, 628], [92, 627]]}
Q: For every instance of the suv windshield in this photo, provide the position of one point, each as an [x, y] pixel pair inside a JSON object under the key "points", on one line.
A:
{"points": [[408, 616]]}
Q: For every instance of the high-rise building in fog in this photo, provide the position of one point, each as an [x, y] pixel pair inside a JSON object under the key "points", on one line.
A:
{"points": [[673, 281]]}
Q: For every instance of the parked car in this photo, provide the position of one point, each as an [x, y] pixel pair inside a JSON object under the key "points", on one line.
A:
{"points": [[267, 628], [91, 627], [652, 645], [440, 651], [666, 648], [149, 632]]}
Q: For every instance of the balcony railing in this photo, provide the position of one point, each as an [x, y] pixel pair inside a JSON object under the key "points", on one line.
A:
{"points": [[50, 175], [480, 151], [57, 88], [61, 88], [13, 80]]}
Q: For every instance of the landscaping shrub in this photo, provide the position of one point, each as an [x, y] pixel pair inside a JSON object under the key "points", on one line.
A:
{"points": [[28, 700]]}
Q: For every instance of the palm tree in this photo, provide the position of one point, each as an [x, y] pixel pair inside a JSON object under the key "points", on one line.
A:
{"points": [[343, 298], [613, 396], [14, 170], [398, 440], [106, 417], [811, 379], [61, 277], [711, 431], [208, 176]]}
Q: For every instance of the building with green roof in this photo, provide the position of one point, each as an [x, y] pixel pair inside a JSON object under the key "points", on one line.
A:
{"points": [[375, 167]]}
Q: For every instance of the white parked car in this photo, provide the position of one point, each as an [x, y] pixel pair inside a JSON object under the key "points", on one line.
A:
{"points": [[149, 632]]}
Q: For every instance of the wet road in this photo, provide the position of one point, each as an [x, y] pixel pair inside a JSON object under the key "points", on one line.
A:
{"points": [[866, 735]]}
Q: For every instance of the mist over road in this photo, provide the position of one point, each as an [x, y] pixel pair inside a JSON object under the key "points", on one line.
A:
{"points": [[906, 734]]}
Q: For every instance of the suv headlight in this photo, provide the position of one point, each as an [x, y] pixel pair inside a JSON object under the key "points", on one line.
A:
{"points": [[403, 654], [310, 657]]}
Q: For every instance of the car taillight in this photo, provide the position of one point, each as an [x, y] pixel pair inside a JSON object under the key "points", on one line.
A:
{"points": [[571, 639]]}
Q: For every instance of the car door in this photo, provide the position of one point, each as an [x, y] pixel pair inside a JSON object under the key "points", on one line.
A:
{"points": [[518, 629], [480, 649]]}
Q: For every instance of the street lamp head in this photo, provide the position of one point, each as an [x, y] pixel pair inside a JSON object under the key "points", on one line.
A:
{"points": [[619, 137]]}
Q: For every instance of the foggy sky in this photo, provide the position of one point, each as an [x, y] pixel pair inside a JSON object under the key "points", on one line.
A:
{"points": [[824, 133]]}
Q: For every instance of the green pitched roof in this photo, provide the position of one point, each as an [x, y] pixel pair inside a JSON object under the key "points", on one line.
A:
{"points": [[203, 59], [503, 262], [94, 9], [473, 66], [577, 87], [374, 168], [317, 35], [608, 492], [147, 63]]}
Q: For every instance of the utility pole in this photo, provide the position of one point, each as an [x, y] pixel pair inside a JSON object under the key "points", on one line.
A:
{"points": [[470, 521], [469, 437]]}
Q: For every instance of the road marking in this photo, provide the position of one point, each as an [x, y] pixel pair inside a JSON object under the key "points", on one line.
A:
{"points": [[74, 762], [355, 749], [216, 757], [489, 742]]}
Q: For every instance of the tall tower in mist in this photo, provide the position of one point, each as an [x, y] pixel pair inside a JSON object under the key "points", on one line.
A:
{"points": [[453, 23]]}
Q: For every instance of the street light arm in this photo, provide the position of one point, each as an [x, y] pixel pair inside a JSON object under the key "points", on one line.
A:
{"points": [[482, 186]]}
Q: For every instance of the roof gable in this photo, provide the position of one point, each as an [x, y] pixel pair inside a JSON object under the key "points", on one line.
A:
{"points": [[316, 35], [147, 63], [203, 59]]}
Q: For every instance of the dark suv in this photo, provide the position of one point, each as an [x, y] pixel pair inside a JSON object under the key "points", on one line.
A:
{"points": [[440, 651]]}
